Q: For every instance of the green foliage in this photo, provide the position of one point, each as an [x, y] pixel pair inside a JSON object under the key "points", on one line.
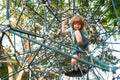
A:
{"points": [[3, 70], [7, 49]]}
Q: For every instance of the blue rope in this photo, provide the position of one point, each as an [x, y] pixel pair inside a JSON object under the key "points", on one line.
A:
{"points": [[59, 51]]}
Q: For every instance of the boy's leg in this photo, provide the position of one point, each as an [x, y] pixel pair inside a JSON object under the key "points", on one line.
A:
{"points": [[74, 61]]}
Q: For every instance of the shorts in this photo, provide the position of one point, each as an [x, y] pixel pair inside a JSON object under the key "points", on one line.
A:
{"points": [[76, 49]]}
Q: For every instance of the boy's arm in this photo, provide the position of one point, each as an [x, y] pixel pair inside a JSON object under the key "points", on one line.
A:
{"points": [[91, 33], [64, 21]]}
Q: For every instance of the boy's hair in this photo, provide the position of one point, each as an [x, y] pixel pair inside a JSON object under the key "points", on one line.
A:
{"points": [[77, 19]]}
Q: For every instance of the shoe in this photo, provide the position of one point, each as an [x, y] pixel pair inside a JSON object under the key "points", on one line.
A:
{"points": [[84, 71], [75, 68]]}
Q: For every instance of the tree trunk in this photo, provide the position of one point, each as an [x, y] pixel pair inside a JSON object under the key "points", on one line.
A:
{"points": [[10, 67], [26, 46], [19, 77]]}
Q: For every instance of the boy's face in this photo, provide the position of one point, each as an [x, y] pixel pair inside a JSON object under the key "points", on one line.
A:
{"points": [[77, 26]]}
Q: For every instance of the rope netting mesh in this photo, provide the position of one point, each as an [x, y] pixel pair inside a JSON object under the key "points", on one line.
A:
{"points": [[33, 30]]}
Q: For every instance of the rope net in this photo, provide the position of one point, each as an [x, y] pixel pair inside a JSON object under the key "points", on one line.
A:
{"points": [[32, 30]]}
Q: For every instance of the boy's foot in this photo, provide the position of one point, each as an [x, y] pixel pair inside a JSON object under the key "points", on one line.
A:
{"points": [[75, 68]]}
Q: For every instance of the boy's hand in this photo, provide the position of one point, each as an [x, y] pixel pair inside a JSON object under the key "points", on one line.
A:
{"points": [[64, 21], [91, 30], [91, 33]]}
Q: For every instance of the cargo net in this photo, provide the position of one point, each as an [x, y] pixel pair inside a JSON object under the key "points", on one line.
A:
{"points": [[32, 46]]}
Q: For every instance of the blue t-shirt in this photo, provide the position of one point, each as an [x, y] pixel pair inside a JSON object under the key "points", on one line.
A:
{"points": [[85, 41]]}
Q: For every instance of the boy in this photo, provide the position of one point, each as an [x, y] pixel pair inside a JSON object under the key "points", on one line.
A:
{"points": [[80, 41]]}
